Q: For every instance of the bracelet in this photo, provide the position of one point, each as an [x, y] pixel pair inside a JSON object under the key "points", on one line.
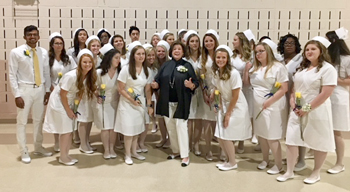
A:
{"points": [[306, 107]]}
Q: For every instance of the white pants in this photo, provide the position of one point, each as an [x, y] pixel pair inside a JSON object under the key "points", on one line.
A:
{"points": [[33, 99], [178, 132]]}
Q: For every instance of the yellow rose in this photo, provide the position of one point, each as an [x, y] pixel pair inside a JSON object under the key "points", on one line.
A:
{"points": [[202, 76], [76, 102], [298, 95], [60, 74], [103, 86], [27, 52], [217, 92], [130, 90], [277, 84]]}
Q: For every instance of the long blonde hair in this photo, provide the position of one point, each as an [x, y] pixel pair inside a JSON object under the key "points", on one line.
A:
{"points": [[205, 51], [270, 58], [227, 69], [160, 63], [90, 77], [153, 65], [245, 49]]}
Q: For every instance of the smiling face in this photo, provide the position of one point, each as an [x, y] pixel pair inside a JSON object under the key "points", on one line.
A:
{"points": [[221, 59], [86, 64], [139, 55], [161, 52], [209, 43], [151, 57], [260, 53], [194, 43], [95, 46], [178, 52], [312, 52], [32, 37], [118, 43]]}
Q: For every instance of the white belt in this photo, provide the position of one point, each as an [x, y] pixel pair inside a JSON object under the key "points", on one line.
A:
{"points": [[30, 85]]}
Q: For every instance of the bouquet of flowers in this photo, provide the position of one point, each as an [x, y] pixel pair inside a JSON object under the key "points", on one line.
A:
{"points": [[298, 106], [272, 92], [134, 95], [217, 100]]}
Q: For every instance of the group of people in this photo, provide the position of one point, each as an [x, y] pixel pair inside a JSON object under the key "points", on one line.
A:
{"points": [[258, 90]]}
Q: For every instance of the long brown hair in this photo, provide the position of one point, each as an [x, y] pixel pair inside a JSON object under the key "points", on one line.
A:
{"points": [[132, 63], [323, 56], [63, 56], [189, 52], [90, 77], [270, 58], [205, 51], [245, 49], [227, 69], [124, 46]]}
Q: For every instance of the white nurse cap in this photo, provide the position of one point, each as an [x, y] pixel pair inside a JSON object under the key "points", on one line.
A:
{"points": [[228, 49], [107, 47], [190, 32], [213, 32], [322, 40], [164, 43], [54, 34], [342, 33], [84, 52], [249, 35], [91, 38]]}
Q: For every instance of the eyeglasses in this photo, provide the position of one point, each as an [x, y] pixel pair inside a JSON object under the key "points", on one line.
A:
{"points": [[58, 44], [259, 52], [290, 43]]}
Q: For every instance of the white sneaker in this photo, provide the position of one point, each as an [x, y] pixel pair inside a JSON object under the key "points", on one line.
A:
{"points": [[274, 170], [42, 151], [25, 158]]}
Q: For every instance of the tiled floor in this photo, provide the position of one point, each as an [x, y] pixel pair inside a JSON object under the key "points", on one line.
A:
{"points": [[93, 173]]}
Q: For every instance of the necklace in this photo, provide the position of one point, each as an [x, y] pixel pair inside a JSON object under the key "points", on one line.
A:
{"points": [[172, 83]]}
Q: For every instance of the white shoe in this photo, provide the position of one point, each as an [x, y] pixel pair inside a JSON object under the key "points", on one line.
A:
{"points": [[84, 151], [139, 157], [335, 171], [220, 164], [113, 156], [299, 168], [228, 167], [25, 158], [254, 140], [42, 151], [75, 160], [128, 160], [263, 165], [138, 150], [282, 178], [312, 181], [240, 151], [107, 156], [66, 163], [274, 170], [56, 148]]}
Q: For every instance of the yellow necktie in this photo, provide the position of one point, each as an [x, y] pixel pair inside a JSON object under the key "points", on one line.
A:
{"points": [[36, 68]]}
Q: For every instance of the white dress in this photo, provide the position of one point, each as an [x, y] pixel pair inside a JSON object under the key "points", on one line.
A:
{"points": [[71, 53], [239, 64], [56, 119], [272, 121], [124, 62], [58, 67], [130, 120], [104, 114], [197, 107], [208, 112], [239, 127], [340, 98], [317, 124]]}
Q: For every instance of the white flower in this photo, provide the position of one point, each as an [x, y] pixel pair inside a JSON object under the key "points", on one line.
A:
{"points": [[182, 69]]}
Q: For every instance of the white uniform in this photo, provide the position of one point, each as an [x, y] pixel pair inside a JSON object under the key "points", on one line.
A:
{"points": [[340, 98], [71, 53], [56, 119], [208, 112], [197, 102], [317, 124], [124, 62], [239, 127], [104, 114], [239, 64], [272, 121], [58, 67], [130, 119]]}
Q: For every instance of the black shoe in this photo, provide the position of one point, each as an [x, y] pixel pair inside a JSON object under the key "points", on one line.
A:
{"points": [[172, 156], [185, 164]]}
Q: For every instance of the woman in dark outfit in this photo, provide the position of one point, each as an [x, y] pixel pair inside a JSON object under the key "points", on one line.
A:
{"points": [[177, 81]]}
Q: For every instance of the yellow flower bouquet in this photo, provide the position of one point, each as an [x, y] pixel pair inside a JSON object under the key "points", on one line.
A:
{"points": [[134, 95]]}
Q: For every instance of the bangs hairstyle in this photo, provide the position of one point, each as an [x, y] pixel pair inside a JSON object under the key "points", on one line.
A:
{"points": [[337, 48], [205, 51], [153, 65], [91, 78], [283, 39], [76, 41], [189, 52], [226, 74], [107, 61], [177, 42], [132, 63], [244, 47], [166, 58], [63, 56], [124, 46], [323, 56], [270, 58]]}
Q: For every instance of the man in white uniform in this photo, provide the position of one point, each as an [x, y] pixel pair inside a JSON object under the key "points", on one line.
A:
{"points": [[29, 75]]}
